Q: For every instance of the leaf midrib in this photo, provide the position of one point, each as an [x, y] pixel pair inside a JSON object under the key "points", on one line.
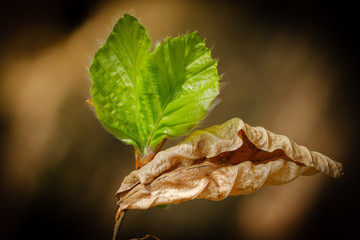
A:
{"points": [[165, 105]]}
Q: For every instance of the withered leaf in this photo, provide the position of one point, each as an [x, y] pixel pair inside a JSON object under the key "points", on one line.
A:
{"points": [[229, 159]]}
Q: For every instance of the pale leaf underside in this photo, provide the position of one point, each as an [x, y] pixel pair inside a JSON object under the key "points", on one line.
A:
{"points": [[229, 159]]}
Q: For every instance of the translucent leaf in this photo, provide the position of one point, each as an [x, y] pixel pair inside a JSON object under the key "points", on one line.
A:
{"points": [[142, 97], [114, 73], [178, 84], [229, 159]]}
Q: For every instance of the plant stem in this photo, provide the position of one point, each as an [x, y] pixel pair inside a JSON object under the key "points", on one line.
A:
{"points": [[140, 160], [118, 224]]}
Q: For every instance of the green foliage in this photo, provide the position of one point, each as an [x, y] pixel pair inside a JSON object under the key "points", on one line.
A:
{"points": [[142, 97], [163, 206]]}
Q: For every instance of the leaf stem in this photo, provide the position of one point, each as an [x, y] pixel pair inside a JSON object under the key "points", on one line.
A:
{"points": [[118, 222], [142, 159]]}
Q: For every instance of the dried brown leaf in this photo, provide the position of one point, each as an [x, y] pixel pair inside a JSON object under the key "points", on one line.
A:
{"points": [[229, 159]]}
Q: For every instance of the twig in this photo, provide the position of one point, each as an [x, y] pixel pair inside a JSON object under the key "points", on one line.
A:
{"points": [[118, 224], [140, 160], [148, 236]]}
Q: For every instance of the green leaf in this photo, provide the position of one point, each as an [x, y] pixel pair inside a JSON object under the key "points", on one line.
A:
{"points": [[178, 83], [144, 97], [114, 73], [162, 206]]}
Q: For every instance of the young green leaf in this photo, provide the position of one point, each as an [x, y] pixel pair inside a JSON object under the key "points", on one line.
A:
{"points": [[144, 97], [178, 84], [114, 73]]}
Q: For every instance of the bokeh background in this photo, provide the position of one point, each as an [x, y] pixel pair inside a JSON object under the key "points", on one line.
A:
{"points": [[291, 67]]}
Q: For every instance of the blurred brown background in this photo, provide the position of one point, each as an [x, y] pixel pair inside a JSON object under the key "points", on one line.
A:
{"points": [[290, 67]]}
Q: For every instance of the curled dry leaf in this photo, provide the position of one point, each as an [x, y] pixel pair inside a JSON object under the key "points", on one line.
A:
{"points": [[229, 159]]}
